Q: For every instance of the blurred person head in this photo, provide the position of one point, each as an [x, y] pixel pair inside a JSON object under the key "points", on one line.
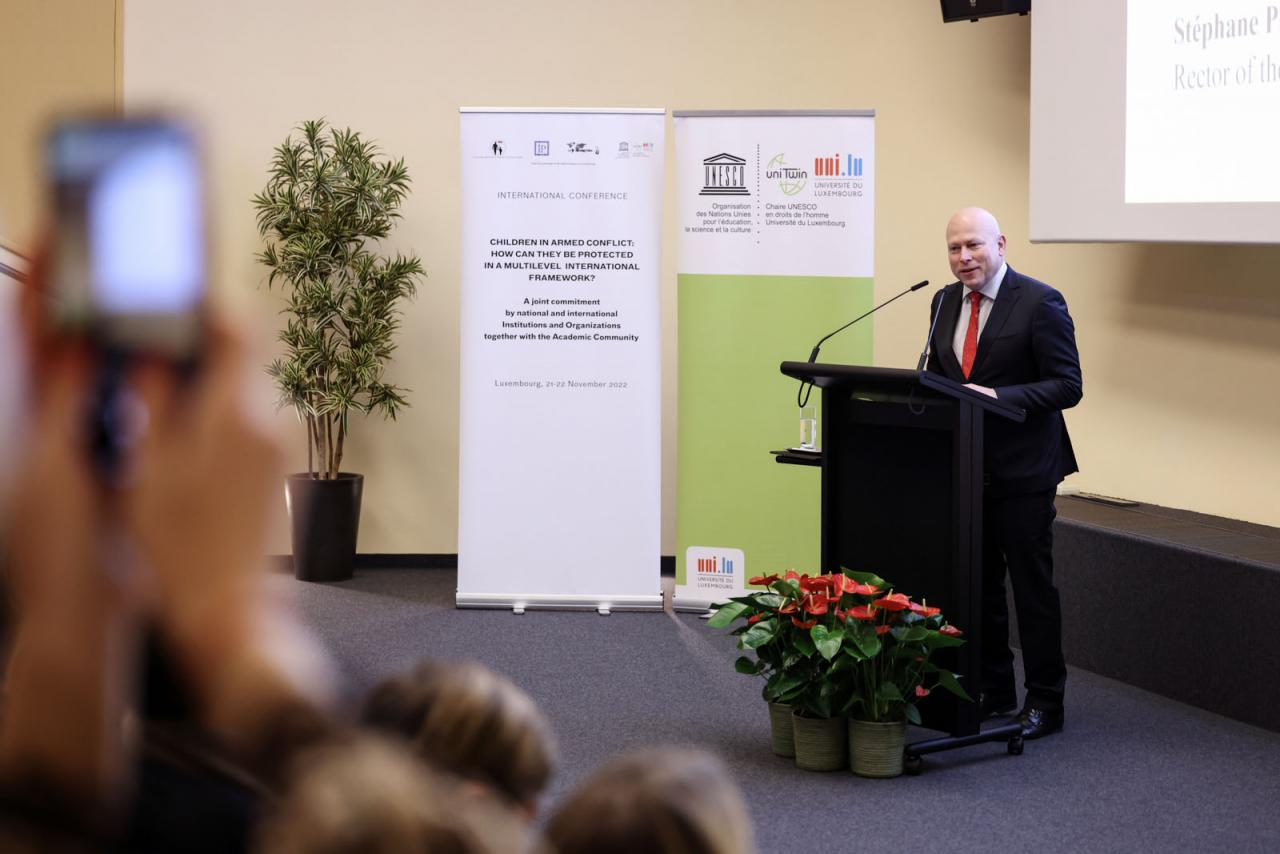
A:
{"points": [[665, 801], [366, 796], [469, 721]]}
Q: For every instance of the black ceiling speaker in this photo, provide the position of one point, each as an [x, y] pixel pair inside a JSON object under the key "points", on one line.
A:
{"points": [[972, 10]]}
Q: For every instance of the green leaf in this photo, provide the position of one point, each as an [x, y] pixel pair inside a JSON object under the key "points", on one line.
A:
{"points": [[789, 589], [909, 635], [867, 640], [783, 684], [759, 634], [948, 680], [913, 714], [747, 666], [936, 640], [726, 614], [889, 693], [804, 643], [827, 641]]}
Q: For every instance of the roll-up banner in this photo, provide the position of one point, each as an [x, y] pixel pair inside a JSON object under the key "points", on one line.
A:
{"points": [[775, 242], [560, 424]]}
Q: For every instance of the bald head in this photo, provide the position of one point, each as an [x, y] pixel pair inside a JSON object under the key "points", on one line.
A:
{"points": [[975, 246]]}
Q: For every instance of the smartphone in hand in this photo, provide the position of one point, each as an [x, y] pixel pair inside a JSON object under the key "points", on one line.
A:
{"points": [[128, 260], [128, 265]]}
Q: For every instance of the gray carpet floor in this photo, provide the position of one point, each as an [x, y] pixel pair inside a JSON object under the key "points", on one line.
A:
{"points": [[1132, 771]]}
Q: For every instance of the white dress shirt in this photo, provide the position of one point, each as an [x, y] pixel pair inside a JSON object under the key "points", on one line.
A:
{"points": [[988, 290]]}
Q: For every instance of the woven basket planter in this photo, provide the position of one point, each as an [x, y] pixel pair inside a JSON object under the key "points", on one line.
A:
{"points": [[782, 736], [821, 743], [875, 748]]}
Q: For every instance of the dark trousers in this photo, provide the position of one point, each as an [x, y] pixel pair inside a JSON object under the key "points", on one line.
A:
{"points": [[1017, 536]]}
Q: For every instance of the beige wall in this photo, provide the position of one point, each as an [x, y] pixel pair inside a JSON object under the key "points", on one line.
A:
{"points": [[54, 54], [1181, 344]]}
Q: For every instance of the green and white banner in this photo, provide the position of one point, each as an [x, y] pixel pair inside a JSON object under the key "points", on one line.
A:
{"points": [[775, 243]]}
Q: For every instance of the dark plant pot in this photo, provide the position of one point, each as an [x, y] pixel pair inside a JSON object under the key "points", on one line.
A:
{"points": [[822, 744], [325, 516], [782, 735], [876, 747]]}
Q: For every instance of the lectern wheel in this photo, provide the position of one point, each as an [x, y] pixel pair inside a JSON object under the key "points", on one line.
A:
{"points": [[1015, 746], [912, 764]]}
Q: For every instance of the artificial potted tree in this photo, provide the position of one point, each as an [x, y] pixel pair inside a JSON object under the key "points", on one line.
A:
{"points": [[330, 195]]}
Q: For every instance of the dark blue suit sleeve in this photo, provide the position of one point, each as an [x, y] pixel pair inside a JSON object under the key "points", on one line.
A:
{"points": [[1053, 344]]}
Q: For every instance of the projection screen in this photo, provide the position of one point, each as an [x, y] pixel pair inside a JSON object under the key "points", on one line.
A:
{"points": [[1155, 120]]}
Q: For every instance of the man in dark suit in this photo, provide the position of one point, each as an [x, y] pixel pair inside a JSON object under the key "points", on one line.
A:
{"points": [[1010, 336]]}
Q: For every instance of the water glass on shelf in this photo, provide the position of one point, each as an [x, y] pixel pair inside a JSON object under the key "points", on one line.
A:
{"points": [[809, 428]]}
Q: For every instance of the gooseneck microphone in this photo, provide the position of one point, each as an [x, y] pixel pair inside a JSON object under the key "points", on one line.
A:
{"points": [[813, 354], [928, 342]]}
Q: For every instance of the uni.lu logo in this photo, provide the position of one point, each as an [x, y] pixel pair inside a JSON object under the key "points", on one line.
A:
{"points": [[715, 566], [847, 166]]}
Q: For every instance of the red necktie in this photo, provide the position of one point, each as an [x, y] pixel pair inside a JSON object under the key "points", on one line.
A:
{"points": [[971, 335]]}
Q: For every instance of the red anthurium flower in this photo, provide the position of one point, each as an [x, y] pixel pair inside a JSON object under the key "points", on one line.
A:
{"points": [[789, 608], [950, 631], [922, 691], [848, 585], [814, 583], [763, 579], [924, 610], [882, 629], [755, 618], [792, 575], [804, 624], [862, 612], [842, 614], [814, 604], [893, 602]]}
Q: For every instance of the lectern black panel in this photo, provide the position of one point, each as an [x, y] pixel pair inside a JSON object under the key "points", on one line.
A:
{"points": [[894, 490], [894, 515]]}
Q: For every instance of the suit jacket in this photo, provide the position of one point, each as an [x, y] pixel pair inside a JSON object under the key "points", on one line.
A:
{"points": [[1027, 353]]}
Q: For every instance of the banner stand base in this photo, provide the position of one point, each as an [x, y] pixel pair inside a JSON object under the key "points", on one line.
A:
{"points": [[601, 604], [706, 605]]}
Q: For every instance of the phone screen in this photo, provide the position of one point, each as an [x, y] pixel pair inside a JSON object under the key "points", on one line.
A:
{"points": [[129, 259]]}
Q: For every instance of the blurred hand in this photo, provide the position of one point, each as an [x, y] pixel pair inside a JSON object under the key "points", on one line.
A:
{"points": [[207, 477], [203, 482]]}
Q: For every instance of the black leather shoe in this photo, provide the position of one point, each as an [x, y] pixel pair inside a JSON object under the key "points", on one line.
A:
{"points": [[993, 705], [1037, 723]]}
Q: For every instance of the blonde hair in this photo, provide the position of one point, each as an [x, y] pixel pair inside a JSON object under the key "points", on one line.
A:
{"points": [[365, 796], [471, 722], [665, 801]]}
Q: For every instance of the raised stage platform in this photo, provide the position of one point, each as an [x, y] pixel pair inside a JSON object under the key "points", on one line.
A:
{"points": [[1179, 603]]}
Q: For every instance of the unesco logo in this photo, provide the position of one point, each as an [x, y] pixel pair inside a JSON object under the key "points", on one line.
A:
{"points": [[724, 175]]}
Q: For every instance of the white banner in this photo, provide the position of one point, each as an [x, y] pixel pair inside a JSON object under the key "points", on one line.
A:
{"points": [[560, 435], [775, 248]]}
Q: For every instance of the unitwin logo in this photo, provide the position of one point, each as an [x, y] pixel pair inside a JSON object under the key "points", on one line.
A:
{"points": [[839, 166], [790, 179]]}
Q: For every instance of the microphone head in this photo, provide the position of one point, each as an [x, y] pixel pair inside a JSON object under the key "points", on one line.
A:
{"points": [[920, 285]]}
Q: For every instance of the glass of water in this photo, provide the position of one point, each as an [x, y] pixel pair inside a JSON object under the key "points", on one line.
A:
{"points": [[809, 428]]}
